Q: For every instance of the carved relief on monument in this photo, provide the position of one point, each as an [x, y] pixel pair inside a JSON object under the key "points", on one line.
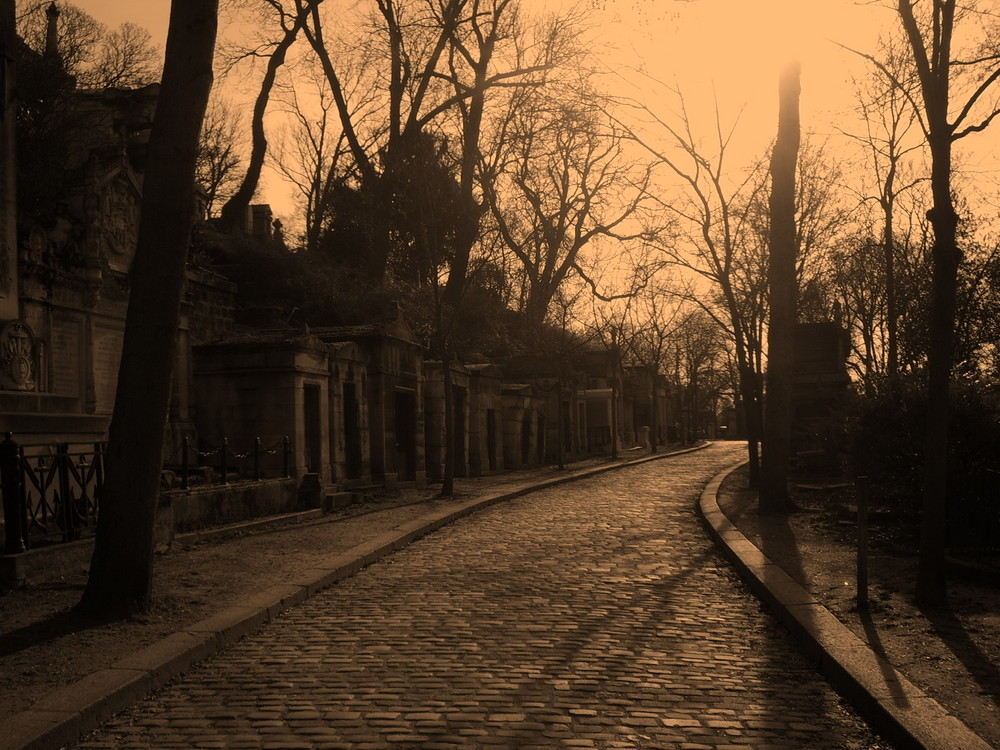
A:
{"points": [[113, 213], [17, 357]]}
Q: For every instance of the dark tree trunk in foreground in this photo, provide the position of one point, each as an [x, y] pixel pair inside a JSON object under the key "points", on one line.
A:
{"points": [[773, 496], [122, 566]]}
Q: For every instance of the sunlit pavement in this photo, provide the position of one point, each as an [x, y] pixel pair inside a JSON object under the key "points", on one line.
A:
{"points": [[593, 614]]}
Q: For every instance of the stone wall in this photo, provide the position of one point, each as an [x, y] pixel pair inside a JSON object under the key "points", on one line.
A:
{"points": [[182, 511]]}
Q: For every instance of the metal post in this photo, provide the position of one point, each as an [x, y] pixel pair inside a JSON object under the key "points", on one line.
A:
{"points": [[222, 462], [98, 476], [256, 460], [287, 449], [13, 495], [65, 496], [185, 467], [863, 490]]}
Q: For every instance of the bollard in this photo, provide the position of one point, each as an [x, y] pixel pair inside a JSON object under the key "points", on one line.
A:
{"points": [[13, 495], [863, 490]]}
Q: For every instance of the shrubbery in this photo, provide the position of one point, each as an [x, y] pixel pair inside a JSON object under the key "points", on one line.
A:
{"points": [[887, 445]]}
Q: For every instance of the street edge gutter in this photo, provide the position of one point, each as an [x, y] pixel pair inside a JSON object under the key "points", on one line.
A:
{"points": [[66, 714], [893, 705]]}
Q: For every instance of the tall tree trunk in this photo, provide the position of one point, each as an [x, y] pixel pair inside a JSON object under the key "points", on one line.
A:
{"points": [[773, 497], [122, 566], [931, 587], [933, 62]]}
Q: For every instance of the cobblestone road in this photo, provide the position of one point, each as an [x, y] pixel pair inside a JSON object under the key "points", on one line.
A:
{"points": [[595, 614]]}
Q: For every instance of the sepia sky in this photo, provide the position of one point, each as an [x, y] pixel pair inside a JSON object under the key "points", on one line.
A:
{"points": [[725, 51]]}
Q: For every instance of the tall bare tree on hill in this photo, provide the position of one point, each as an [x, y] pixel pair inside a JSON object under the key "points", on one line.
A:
{"points": [[291, 21]]}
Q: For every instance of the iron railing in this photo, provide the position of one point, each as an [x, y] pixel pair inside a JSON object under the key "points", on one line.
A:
{"points": [[51, 493], [225, 464]]}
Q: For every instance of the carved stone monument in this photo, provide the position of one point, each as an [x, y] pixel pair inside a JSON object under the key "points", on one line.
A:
{"points": [[17, 357]]}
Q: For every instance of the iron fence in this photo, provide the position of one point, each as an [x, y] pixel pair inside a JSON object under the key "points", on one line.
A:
{"points": [[51, 493], [222, 464]]}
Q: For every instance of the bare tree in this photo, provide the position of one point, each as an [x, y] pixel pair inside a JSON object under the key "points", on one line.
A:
{"points": [[659, 307], [859, 280], [219, 153], [310, 152], [78, 33], [930, 27], [121, 570], [821, 218], [290, 21], [561, 180], [709, 244], [125, 58], [435, 64], [889, 119], [696, 351]]}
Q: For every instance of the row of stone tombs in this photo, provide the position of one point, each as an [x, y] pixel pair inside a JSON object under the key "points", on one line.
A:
{"points": [[360, 405], [357, 404]]}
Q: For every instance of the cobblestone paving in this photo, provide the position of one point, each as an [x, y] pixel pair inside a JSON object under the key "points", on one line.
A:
{"points": [[592, 615]]}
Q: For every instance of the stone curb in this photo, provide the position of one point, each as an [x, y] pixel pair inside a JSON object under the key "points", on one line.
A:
{"points": [[893, 705], [63, 716]]}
